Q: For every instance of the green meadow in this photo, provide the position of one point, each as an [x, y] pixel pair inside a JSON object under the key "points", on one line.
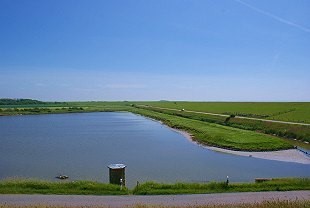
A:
{"points": [[283, 130], [283, 111], [219, 135]]}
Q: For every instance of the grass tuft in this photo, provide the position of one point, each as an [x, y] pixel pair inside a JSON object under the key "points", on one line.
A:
{"points": [[283, 184]]}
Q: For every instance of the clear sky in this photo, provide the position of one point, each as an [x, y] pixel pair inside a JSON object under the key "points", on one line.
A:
{"points": [[205, 50]]}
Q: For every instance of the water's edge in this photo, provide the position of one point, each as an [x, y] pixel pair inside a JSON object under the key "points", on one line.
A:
{"points": [[291, 155]]}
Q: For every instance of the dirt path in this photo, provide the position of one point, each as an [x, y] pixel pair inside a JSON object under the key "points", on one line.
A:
{"points": [[175, 200], [223, 115]]}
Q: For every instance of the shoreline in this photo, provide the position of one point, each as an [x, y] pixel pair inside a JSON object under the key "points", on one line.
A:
{"points": [[290, 155]]}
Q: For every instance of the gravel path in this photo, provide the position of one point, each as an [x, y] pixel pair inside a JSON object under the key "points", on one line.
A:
{"points": [[175, 200]]}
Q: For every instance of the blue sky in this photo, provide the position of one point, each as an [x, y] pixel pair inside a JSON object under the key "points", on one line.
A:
{"points": [[224, 50]]}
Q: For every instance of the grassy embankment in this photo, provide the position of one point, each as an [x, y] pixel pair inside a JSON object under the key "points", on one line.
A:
{"points": [[283, 184], [219, 135], [283, 111], [265, 204], [19, 186], [293, 132], [28, 186]]}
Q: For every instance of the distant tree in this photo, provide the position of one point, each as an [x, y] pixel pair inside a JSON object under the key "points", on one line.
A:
{"points": [[8, 101]]}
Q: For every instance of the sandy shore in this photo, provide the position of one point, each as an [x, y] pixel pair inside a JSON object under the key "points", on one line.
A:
{"points": [[291, 155]]}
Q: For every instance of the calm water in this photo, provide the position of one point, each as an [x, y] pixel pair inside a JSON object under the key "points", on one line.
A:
{"points": [[82, 145]]}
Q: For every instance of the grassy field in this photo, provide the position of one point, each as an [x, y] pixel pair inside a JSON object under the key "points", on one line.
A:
{"points": [[219, 135], [299, 132], [19, 186], [294, 112], [72, 107]]}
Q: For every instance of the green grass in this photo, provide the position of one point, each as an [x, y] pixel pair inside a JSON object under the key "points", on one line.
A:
{"points": [[284, 184], [284, 111], [72, 107], [24, 186], [219, 135], [289, 131]]}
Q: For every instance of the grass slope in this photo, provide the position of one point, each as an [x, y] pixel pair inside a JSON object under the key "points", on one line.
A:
{"points": [[300, 132], [284, 184], [22, 186], [294, 112], [218, 135]]}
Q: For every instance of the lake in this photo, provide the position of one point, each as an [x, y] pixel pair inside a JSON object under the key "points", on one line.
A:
{"points": [[81, 145]]}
